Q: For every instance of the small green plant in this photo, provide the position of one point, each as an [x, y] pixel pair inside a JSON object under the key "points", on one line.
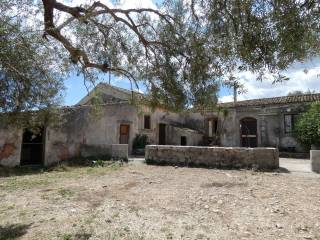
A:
{"points": [[67, 237], [98, 163], [307, 128]]}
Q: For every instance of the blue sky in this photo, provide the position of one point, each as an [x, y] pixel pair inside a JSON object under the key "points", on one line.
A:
{"points": [[75, 89], [299, 79]]}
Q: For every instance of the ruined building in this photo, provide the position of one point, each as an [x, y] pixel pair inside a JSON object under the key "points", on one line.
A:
{"points": [[253, 123]]}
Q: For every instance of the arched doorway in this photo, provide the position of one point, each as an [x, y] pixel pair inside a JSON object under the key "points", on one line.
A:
{"points": [[248, 132]]}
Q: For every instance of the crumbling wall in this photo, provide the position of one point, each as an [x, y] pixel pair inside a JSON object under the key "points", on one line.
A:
{"points": [[119, 151], [85, 133], [217, 157], [10, 147], [193, 138], [158, 116]]}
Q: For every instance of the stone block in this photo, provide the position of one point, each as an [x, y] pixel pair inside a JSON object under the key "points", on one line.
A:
{"points": [[266, 158], [120, 151], [95, 150], [217, 157], [315, 160]]}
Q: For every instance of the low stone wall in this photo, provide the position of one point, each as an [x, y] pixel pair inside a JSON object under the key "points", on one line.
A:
{"points": [[119, 151], [216, 157], [315, 160]]}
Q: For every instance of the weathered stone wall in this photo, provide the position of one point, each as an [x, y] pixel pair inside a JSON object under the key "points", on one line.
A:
{"points": [[157, 116], [270, 125], [193, 138], [315, 160], [217, 157], [85, 134], [10, 147], [119, 151]]}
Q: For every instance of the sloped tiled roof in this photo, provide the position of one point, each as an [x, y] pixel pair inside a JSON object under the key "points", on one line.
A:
{"points": [[274, 100]]}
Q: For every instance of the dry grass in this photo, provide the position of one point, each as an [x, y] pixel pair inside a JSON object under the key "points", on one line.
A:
{"points": [[153, 202]]}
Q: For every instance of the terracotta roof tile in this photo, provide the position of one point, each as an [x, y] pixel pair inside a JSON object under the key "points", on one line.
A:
{"points": [[275, 100]]}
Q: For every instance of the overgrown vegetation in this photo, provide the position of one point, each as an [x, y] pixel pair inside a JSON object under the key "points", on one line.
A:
{"points": [[307, 128], [66, 166], [140, 141]]}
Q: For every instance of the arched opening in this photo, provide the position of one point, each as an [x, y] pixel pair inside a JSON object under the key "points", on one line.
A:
{"points": [[248, 132]]}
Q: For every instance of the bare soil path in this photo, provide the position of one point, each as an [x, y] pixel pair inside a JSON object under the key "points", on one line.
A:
{"points": [[138, 201]]}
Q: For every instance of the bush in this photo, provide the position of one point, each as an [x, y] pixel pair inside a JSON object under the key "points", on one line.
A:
{"points": [[307, 128], [140, 141]]}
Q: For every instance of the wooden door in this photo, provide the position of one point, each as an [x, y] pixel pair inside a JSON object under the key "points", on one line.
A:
{"points": [[162, 134], [124, 133], [248, 133]]}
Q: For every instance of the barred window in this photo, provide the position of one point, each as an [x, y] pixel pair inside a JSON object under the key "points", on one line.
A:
{"points": [[289, 121]]}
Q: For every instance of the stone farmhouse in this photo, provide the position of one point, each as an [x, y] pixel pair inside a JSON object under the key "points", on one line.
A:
{"points": [[252, 123]]}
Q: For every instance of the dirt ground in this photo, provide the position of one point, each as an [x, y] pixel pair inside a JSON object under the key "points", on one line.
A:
{"points": [[137, 201]]}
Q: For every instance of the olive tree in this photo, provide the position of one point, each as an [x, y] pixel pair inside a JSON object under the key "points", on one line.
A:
{"points": [[182, 51]]}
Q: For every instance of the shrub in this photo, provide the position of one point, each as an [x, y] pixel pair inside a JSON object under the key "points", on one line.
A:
{"points": [[140, 141], [307, 128]]}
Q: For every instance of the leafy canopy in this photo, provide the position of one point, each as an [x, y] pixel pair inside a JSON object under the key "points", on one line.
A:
{"points": [[182, 51], [29, 76]]}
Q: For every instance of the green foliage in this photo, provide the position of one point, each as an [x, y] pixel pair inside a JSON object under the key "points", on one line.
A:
{"points": [[29, 77], [307, 128], [140, 141], [30, 69], [98, 163], [182, 55], [95, 161]]}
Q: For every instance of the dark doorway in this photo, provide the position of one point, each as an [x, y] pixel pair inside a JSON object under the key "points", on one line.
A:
{"points": [[183, 141], [212, 127], [248, 133], [124, 133], [162, 134], [32, 149]]}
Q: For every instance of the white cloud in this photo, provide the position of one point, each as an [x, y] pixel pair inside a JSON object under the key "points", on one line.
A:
{"points": [[137, 4], [229, 98], [125, 4], [299, 81]]}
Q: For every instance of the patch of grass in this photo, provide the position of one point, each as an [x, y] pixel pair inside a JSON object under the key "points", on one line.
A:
{"points": [[66, 237], [45, 178], [61, 166], [20, 171], [6, 207], [23, 213], [65, 193], [88, 161]]}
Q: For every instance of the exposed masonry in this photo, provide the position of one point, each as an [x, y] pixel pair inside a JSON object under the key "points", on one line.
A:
{"points": [[216, 157], [315, 160], [261, 123]]}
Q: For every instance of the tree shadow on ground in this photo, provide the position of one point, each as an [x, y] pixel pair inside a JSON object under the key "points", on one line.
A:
{"points": [[20, 171], [283, 170], [13, 231]]}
